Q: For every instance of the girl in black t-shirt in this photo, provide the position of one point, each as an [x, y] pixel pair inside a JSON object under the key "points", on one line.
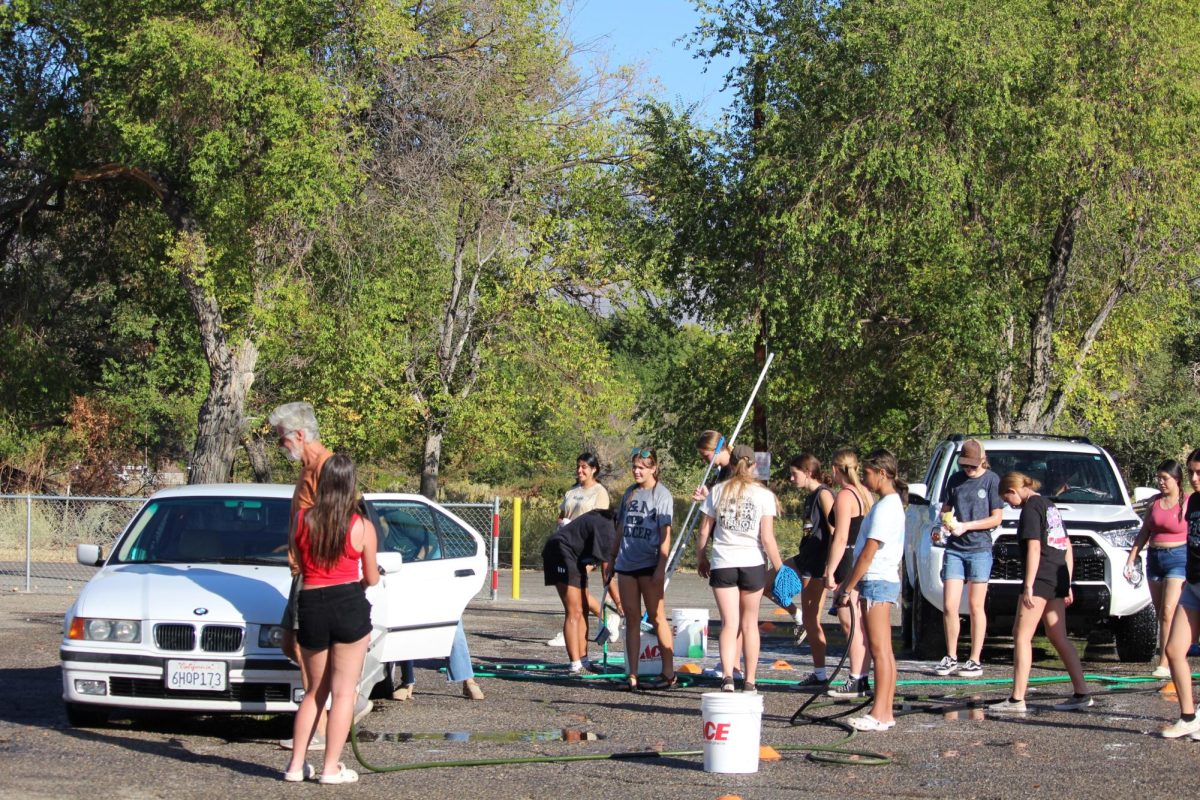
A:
{"points": [[1047, 562], [1186, 625]]}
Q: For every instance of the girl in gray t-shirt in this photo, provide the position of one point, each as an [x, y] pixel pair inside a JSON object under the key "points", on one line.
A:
{"points": [[640, 562]]}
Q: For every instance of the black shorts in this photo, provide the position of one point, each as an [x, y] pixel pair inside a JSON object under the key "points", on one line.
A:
{"points": [[845, 566], [290, 621], [644, 572], [810, 561], [561, 566], [333, 614], [1049, 587], [748, 579]]}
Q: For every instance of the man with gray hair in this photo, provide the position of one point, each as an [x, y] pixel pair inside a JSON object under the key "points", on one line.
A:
{"points": [[295, 425]]}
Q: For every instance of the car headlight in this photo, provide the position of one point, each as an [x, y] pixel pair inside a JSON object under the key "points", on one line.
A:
{"points": [[270, 636], [1122, 537], [105, 630]]}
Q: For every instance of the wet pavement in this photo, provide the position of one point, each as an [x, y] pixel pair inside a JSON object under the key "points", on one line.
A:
{"points": [[944, 744]]}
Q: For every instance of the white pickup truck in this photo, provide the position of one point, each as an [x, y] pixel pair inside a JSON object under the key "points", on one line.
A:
{"points": [[1084, 482]]}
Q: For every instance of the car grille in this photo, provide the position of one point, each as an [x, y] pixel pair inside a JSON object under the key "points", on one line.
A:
{"points": [[175, 637], [213, 639], [221, 639], [1006, 560], [239, 692]]}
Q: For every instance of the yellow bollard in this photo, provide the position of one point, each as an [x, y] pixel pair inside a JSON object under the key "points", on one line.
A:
{"points": [[516, 572]]}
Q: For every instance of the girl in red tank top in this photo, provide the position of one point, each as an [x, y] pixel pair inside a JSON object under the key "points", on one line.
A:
{"points": [[330, 543]]}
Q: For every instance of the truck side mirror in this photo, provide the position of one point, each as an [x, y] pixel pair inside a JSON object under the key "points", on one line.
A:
{"points": [[90, 555]]}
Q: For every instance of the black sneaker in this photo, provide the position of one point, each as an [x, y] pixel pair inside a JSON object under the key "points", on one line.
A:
{"points": [[851, 688], [811, 681]]}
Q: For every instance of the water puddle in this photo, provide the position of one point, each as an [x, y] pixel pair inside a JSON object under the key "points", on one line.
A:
{"points": [[560, 735]]}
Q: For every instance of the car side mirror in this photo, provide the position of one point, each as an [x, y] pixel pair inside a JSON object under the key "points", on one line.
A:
{"points": [[918, 490], [389, 562], [1143, 493], [90, 555]]}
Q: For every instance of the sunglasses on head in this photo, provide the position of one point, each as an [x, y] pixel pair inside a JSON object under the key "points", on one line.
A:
{"points": [[641, 452]]}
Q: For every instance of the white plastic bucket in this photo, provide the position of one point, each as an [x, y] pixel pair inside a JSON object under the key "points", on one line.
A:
{"points": [[732, 729], [650, 656], [690, 629]]}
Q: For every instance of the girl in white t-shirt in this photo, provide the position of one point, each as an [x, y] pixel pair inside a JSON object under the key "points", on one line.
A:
{"points": [[742, 511], [876, 576]]}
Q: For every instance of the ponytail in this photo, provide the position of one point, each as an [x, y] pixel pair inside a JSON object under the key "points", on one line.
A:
{"points": [[885, 462], [847, 461]]}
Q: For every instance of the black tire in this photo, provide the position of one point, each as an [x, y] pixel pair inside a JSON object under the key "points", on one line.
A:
{"points": [[389, 683], [1137, 636], [85, 716], [928, 632], [906, 611]]}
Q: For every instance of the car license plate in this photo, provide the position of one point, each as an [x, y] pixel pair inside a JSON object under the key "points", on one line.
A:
{"points": [[196, 676]]}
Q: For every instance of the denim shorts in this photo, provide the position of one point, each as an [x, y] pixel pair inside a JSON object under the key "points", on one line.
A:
{"points": [[1166, 562], [974, 566], [1189, 598], [878, 591]]}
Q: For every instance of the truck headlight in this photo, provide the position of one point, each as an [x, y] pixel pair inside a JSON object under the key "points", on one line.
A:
{"points": [[1122, 537], [105, 630], [270, 636]]}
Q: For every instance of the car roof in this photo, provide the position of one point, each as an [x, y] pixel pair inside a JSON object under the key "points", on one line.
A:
{"points": [[264, 490]]}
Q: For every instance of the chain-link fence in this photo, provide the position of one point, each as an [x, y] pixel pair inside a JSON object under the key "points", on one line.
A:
{"points": [[38, 534]]}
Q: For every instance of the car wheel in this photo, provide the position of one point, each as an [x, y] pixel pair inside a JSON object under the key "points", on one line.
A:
{"points": [[389, 683], [1137, 635], [906, 611], [928, 634], [85, 716]]}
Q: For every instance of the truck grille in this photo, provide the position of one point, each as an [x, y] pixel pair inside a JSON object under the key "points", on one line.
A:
{"points": [[173, 636], [1006, 559], [221, 639], [239, 692]]}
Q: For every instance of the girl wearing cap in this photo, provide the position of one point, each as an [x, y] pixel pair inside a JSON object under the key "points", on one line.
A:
{"points": [[742, 511], [639, 560], [1047, 561], [1186, 625], [972, 497], [810, 563], [1165, 531], [876, 577]]}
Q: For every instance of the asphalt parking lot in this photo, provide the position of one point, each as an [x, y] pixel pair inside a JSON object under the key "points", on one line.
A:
{"points": [[941, 746]]}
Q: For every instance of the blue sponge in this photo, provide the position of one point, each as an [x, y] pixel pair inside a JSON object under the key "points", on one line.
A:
{"points": [[787, 585]]}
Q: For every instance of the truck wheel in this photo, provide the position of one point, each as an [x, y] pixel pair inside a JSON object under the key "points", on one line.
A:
{"points": [[1137, 635], [85, 716], [928, 634], [906, 612], [389, 683]]}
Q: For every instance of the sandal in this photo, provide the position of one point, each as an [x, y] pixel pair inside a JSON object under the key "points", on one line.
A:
{"points": [[343, 775], [631, 684], [868, 723], [303, 774], [662, 682]]}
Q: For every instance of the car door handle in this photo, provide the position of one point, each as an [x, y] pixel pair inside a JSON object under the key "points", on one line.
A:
{"points": [[463, 573]]}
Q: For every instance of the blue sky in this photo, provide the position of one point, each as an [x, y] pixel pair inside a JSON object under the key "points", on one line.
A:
{"points": [[647, 33]]}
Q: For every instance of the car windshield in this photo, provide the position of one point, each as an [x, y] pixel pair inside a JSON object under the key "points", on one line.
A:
{"points": [[1081, 478], [189, 530]]}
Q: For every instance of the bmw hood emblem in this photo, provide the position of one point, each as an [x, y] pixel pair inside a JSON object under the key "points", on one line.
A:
{"points": [[199, 612]]}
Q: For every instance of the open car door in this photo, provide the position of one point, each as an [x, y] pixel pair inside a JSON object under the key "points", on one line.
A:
{"points": [[434, 564]]}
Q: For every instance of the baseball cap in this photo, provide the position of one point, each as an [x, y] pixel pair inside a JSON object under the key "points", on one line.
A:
{"points": [[743, 451], [971, 454]]}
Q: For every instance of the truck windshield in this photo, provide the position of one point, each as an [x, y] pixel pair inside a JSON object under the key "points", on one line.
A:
{"points": [[1082, 478], [190, 530]]}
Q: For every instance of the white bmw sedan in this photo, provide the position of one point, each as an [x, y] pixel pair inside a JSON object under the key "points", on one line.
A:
{"points": [[183, 613]]}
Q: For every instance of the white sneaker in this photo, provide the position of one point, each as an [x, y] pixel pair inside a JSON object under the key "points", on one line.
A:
{"points": [[317, 743], [947, 666], [1180, 728], [558, 641], [1161, 671], [1075, 703], [868, 723], [1008, 706]]}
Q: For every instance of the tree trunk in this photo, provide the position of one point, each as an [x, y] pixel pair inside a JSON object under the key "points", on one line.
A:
{"points": [[435, 430], [999, 399], [221, 420], [1030, 419], [260, 462]]}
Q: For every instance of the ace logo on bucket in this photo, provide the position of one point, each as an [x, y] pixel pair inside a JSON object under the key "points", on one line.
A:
{"points": [[716, 731], [650, 651]]}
